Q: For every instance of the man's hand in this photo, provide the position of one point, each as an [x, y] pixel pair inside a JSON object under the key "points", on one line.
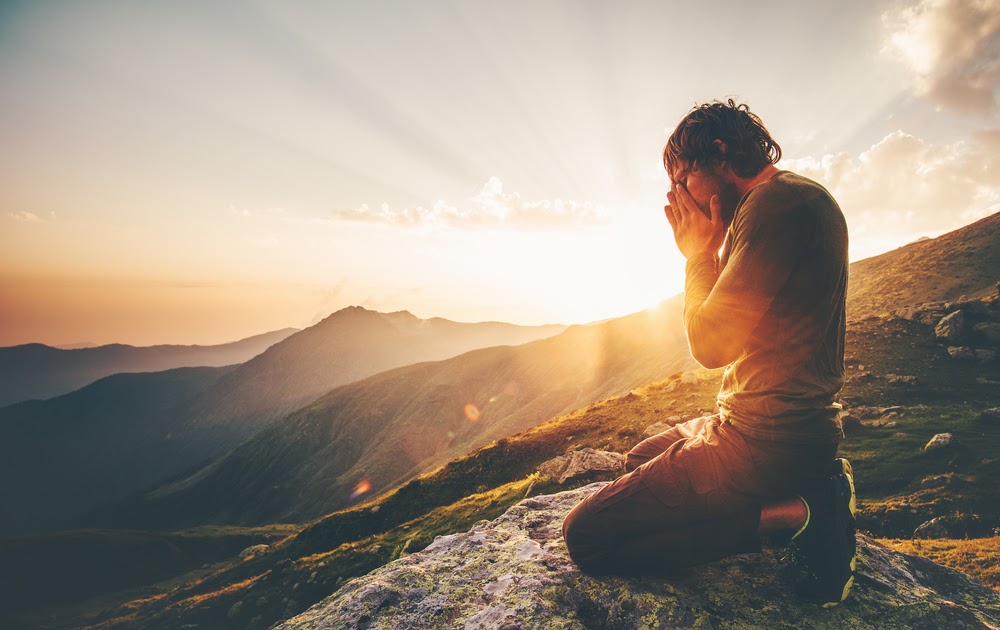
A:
{"points": [[695, 230]]}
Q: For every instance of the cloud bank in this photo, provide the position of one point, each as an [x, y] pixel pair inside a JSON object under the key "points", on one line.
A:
{"points": [[909, 187], [26, 217], [953, 49], [490, 207]]}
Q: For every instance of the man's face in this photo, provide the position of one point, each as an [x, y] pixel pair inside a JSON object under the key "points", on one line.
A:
{"points": [[703, 182]]}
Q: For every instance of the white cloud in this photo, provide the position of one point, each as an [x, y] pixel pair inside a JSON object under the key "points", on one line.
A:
{"points": [[904, 187], [26, 217], [953, 48], [491, 206]]}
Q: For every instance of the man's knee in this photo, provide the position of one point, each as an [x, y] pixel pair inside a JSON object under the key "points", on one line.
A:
{"points": [[582, 548], [574, 528], [633, 460]]}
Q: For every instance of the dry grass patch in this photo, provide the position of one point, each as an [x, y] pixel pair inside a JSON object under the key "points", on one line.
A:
{"points": [[978, 557]]}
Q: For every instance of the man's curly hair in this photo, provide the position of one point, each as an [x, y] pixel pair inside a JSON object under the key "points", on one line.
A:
{"points": [[749, 146]]}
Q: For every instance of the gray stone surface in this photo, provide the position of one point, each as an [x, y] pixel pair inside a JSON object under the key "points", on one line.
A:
{"points": [[513, 572], [950, 327], [254, 550], [656, 428], [934, 528], [925, 313], [585, 462], [940, 440], [961, 353]]}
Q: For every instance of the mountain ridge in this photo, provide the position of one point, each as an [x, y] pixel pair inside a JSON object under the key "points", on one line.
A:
{"points": [[963, 262], [38, 371], [205, 421]]}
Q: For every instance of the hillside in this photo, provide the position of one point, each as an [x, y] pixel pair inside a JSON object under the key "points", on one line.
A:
{"points": [[36, 371], [899, 484], [348, 345], [964, 262], [65, 455], [381, 431], [126, 432]]}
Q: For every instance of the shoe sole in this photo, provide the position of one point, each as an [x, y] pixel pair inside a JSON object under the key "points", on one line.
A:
{"points": [[848, 472]]}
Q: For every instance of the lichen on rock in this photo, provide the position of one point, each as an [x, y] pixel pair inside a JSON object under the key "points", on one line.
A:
{"points": [[513, 572]]}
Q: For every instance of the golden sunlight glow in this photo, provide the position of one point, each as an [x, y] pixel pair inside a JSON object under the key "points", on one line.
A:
{"points": [[302, 166]]}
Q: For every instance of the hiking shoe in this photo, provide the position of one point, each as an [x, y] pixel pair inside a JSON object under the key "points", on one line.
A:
{"points": [[824, 548]]}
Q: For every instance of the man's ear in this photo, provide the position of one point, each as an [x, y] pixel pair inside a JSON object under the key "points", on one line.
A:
{"points": [[723, 163]]}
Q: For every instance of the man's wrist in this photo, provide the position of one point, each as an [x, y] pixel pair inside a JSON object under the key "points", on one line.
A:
{"points": [[702, 257]]}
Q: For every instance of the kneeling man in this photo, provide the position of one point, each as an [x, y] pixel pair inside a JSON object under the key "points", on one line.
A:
{"points": [[764, 296]]}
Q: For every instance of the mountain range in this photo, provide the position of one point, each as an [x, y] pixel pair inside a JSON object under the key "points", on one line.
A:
{"points": [[36, 371], [107, 440], [368, 436]]}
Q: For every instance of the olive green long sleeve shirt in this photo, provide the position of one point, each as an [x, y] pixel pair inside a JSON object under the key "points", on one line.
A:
{"points": [[772, 310]]}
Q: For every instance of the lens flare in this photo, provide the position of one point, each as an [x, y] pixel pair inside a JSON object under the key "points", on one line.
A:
{"points": [[472, 412], [363, 486]]}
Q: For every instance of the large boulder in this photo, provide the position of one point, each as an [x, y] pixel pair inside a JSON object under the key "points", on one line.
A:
{"points": [[924, 313], [585, 463], [950, 326], [513, 572], [962, 353], [934, 528], [941, 440]]}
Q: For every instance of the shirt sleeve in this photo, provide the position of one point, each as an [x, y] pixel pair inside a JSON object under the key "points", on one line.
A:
{"points": [[722, 309]]}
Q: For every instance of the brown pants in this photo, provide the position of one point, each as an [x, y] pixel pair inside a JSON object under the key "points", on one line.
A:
{"points": [[691, 494]]}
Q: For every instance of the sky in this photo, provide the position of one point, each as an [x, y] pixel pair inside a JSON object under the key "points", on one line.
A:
{"points": [[199, 172]]}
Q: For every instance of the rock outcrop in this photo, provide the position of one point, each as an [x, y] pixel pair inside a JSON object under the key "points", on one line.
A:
{"points": [[940, 440], [513, 572], [950, 327], [587, 464]]}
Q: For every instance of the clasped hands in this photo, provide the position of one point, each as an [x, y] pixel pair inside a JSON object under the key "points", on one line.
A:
{"points": [[695, 230]]}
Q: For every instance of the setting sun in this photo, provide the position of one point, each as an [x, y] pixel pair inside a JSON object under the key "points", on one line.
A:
{"points": [[194, 175]]}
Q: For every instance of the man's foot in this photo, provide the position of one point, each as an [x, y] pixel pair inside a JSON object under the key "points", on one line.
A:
{"points": [[824, 548]]}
